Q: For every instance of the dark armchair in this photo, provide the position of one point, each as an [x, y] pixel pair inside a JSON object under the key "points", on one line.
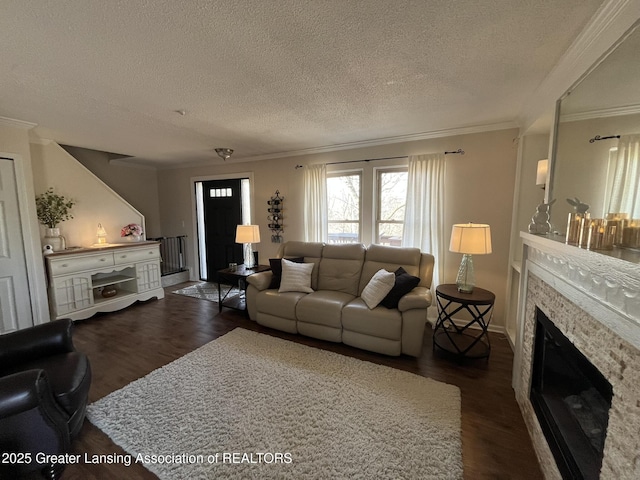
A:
{"points": [[44, 388]]}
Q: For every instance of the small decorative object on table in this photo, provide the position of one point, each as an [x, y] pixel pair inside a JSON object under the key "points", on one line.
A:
{"points": [[132, 232], [577, 223], [631, 233], [618, 221], [109, 291], [101, 234], [540, 224], [600, 234], [51, 210], [53, 238], [275, 217]]}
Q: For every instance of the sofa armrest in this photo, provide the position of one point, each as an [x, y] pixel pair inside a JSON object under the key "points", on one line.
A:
{"points": [[260, 280], [43, 340], [23, 391], [30, 420], [419, 297]]}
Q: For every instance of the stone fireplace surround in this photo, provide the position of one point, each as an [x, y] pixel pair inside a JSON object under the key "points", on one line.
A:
{"points": [[594, 300]]}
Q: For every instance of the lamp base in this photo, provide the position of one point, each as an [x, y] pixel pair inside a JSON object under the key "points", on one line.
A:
{"points": [[466, 279], [249, 257]]}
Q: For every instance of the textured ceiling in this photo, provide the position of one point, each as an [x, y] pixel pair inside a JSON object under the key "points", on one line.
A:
{"points": [[272, 77]]}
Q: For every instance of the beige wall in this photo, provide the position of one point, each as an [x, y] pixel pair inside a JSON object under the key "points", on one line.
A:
{"points": [[138, 185], [15, 140], [479, 188], [534, 148], [95, 201], [43, 164]]}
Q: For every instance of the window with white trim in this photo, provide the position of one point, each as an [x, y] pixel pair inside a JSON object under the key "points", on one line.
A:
{"points": [[344, 193], [391, 199]]}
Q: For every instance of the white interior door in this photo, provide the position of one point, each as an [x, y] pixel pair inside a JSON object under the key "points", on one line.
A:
{"points": [[15, 303]]}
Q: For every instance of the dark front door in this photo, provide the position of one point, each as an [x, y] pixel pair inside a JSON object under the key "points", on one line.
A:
{"points": [[222, 213]]}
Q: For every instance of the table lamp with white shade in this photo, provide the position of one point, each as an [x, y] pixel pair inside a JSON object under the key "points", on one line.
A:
{"points": [[469, 239], [248, 234]]}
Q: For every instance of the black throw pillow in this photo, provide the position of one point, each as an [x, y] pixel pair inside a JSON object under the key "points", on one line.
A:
{"points": [[404, 284], [276, 268]]}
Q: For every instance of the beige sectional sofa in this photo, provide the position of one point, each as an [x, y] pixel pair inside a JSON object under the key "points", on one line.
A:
{"points": [[334, 311]]}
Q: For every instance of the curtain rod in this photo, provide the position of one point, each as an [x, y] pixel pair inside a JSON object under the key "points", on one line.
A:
{"points": [[454, 152], [597, 138]]}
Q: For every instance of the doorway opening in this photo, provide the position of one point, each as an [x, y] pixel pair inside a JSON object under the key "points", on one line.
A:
{"points": [[221, 205]]}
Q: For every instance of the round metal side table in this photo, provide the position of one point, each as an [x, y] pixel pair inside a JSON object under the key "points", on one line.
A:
{"points": [[459, 338]]}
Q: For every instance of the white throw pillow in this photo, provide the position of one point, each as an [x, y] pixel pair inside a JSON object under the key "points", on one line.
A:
{"points": [[296, 277], [378, 288]]}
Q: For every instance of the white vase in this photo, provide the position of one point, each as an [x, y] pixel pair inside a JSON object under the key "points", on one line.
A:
{"points": [[133, 238], [52, 237]]}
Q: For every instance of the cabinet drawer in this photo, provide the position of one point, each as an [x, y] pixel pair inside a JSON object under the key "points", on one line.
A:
{"points": [[137, 255], [64, 266]]}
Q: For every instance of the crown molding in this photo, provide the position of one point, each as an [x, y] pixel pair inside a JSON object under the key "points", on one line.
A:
{"points": [[385, 141], [12, 122], [612, 20], [603, 113]]}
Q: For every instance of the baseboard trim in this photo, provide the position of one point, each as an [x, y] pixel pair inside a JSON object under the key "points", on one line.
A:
{"points": [[175, 278]]}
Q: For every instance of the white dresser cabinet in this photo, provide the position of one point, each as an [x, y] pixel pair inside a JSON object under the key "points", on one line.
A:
{"points": [[78, 278]]}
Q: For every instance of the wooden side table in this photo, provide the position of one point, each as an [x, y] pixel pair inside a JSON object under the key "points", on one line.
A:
{"points": [[463, 340], [236, 277]]}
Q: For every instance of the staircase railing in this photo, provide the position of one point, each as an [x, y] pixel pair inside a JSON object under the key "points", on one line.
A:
{"points": [[172, 250]]}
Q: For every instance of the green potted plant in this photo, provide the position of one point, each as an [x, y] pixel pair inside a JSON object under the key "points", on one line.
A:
{"points": [[52, 209]]}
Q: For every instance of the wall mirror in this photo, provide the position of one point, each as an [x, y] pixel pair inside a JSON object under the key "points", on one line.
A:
{"points": [[596, 155]]}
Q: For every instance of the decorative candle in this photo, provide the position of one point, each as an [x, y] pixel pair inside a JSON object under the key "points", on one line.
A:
{"points": [[618, 220], [576, 234], [631, 233], [102, 235], [600, 235]]}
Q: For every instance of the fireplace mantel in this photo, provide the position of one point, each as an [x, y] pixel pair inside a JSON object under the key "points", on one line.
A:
{"points": [[611, 280], [594, 299]]}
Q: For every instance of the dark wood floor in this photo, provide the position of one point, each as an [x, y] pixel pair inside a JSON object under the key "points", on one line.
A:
{"points": [[126, 345]]}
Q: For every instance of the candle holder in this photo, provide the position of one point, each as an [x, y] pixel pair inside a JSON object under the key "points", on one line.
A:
{"points": [[576, 234], [631, 233], [276, 217], [619, 220], [600, 234]]}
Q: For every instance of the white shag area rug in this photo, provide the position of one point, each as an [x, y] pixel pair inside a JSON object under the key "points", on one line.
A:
{"points": [[248, 405]]}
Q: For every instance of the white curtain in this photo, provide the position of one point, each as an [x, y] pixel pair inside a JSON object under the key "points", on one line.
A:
{"points": [[315, 203], [625, 194], [424, 213]]}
